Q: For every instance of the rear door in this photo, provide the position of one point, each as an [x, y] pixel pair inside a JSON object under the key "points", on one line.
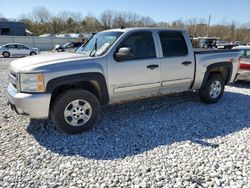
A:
{"points": [[178, 62], [22, 50]]}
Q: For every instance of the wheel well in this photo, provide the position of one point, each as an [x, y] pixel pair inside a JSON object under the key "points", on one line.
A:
{"points": [[32, 52], [91, 86], [5, 51], [224, 72]]}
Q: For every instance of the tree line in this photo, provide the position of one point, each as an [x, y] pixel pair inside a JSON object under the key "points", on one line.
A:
{"points": [[41, 21]]}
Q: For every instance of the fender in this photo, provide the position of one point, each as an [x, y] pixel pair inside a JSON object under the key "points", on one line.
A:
{"points": [[216, 67], [71, 79]]}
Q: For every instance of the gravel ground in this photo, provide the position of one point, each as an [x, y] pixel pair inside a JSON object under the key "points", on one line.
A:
{"points": [[173, 141]]}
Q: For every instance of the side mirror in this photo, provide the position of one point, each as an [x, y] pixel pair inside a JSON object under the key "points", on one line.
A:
{"points": [[124, 53]]}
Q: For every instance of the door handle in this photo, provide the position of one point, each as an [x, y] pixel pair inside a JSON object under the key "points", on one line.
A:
{"points": [[151, 67], [186, 63]]}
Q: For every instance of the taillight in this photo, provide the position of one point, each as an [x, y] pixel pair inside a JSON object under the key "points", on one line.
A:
{"points": [[244, 66]]}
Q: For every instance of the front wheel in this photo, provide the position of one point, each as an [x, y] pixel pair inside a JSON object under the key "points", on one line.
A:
{"points": [[75, 111], [213, 89], [33, 53]]}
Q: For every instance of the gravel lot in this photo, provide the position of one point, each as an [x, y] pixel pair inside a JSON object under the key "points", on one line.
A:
{"points": [[173, 141]]}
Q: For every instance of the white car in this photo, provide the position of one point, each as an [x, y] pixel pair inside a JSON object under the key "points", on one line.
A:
{"points": [[8, 50], [244, 69]]}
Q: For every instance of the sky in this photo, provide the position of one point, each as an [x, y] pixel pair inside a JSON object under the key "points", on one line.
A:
{"points": [[221, 11]]}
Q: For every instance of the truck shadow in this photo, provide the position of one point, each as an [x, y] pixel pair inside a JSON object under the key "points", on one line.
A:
{"points": [[133, 128], [242, 84]]}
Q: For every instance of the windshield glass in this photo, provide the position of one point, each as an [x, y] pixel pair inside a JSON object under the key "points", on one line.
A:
{"points": [[99, 43]]}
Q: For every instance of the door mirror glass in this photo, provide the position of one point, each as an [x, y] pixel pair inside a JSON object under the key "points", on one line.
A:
{"points": [[124, 53]]}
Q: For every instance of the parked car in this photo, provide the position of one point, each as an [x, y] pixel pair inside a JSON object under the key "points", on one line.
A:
{"points": [[68, 45], [116, 66], [224, 45], [244, 70], [12, 49]]}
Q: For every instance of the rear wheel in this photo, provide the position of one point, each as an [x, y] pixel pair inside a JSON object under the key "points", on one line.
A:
{"points": [[6, 54], [75, 111], [213, 90]]}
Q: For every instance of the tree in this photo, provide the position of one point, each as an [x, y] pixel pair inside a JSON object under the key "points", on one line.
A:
{"points": [[41, 15], [92, 24], [106, 19], [71, 24], [40, 21]]}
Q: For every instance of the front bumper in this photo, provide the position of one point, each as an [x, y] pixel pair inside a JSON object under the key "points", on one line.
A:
{"points": [[35, 106]]}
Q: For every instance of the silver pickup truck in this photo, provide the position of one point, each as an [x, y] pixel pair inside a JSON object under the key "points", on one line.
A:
{"points": [[116, 66]]}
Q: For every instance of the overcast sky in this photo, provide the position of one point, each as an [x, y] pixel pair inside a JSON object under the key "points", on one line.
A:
{"points": [[159, 10]]}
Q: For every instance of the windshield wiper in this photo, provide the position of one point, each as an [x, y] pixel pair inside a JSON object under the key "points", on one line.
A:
{"points": [[94, 49]]}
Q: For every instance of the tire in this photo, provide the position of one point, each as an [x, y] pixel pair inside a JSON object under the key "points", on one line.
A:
{"points": [[33, 53], [6, 54], [75, 111], [213, 90]]}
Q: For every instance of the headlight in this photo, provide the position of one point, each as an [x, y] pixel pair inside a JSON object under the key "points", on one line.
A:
{"points": [[32, 82]]}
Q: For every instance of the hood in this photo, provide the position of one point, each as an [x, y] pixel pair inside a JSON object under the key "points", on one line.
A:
{"points": [[32, 63], [35, 49]]}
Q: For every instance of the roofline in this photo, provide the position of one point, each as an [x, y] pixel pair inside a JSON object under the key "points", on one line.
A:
{"points": [[13, 43], [145, 28]]}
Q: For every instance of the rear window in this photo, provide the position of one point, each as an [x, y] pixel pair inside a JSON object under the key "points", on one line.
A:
{"points": [[173, 44], [245, 54]]}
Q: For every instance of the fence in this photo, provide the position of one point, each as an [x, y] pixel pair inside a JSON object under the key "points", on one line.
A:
{"points": [[43, 43]]}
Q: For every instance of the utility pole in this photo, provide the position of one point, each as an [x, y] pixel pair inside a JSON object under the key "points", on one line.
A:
{"points": [[208, 24]]}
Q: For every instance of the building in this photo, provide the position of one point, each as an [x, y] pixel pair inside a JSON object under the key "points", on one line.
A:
{"points": [[12, 28]]}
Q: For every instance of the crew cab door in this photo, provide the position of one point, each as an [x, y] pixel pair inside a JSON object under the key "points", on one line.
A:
{"points": [[136, 77], [178, 62]]}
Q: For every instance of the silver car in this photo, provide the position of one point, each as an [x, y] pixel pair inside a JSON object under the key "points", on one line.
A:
{"points": [[11, 49]]}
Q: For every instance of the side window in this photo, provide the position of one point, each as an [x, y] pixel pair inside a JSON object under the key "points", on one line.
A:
{"points": [[173, 44], [248, 54], [10, 46], [245, 53], [142, 44], [242, 53], [21, 47]]}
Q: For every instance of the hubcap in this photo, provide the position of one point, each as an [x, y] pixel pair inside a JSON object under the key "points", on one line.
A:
{"points": [[77, 112], [215, 89]]}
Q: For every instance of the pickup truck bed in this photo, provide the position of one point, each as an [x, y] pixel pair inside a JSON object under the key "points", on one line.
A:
{"points": [[211, 51]]}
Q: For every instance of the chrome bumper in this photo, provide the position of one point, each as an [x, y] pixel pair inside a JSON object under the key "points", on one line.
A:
{"points": [[33, 105]]}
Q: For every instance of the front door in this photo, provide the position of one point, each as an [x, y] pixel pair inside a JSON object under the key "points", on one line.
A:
{"points": [[12, 49], [137, 77]]}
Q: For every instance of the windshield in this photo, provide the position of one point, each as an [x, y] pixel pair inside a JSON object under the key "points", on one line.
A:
{"points": [[99, 43]]}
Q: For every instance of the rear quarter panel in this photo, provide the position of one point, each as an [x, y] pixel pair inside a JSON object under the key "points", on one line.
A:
{"points": [[204, 60]]}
